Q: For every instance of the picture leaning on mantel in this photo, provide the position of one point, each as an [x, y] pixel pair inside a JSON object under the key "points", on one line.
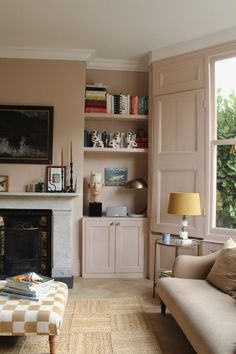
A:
{"points": [[26, 134]]}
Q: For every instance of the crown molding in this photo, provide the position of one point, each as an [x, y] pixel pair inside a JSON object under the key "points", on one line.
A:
{"points": [[210, 40], [117, 64], [87, 55], [46, 53]]}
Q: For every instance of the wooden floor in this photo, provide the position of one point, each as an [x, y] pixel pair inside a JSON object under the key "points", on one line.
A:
{"points": [[108, 288]]}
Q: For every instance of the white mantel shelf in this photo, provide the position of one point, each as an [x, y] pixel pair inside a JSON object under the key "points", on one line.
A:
{"points": [[35, 194]]}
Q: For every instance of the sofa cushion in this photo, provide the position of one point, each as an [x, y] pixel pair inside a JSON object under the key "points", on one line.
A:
{"points": [[230, 243], [223, 273]]}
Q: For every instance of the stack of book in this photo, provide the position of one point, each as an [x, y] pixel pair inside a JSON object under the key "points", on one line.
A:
{"points": [[95, 98], [30, 286], [127, 104], [142, 142]]}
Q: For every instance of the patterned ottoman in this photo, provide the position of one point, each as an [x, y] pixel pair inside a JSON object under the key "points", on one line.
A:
{"points": [[20, 317]]}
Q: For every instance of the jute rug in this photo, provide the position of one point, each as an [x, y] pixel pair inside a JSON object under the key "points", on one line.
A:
{"points": [[97, 326]]}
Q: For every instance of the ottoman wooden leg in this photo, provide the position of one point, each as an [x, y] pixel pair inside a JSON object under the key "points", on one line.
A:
{"points": [[52, 344]]}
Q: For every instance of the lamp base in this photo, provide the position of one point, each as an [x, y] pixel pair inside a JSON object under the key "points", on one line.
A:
{"points": [[183, 235]]}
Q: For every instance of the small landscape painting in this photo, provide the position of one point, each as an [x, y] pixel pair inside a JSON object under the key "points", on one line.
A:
{"points": [[116, 176]]}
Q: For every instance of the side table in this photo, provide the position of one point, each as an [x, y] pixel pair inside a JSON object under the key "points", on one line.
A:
{"points": [[177, 243]]}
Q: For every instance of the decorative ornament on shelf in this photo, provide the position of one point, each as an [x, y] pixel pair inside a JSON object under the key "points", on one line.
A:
{"points": [[97, 142], [137, 184], [55, 178], [4, 181], [95, 186], [115, 141], [130, 140]]}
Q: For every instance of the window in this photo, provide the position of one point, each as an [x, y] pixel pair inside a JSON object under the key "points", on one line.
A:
{"points": [[223, 145]]}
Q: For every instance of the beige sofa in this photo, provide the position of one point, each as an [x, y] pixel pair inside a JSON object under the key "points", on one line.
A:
{"points": [[206, 315]]}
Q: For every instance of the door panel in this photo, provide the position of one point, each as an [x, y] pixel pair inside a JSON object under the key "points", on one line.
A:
{"points": [[178, 157], [100, 246], [130, 246]]}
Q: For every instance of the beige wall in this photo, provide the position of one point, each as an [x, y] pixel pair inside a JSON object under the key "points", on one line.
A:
{"points": [[126, 82], [59, 84]]}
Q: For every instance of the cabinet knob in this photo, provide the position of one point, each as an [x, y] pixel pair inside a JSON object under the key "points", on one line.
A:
{"points": [[117, 224], [112, 223]]}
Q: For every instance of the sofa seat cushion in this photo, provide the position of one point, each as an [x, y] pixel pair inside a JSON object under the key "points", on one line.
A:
{"points": [[206, 315]]}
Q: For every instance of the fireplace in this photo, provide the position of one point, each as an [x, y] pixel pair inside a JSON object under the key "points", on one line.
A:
{"points": [[60, 205], [25, 241]]}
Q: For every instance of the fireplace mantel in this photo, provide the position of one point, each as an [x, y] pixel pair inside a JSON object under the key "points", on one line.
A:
{"points": [[61, 206], [35, 194]]}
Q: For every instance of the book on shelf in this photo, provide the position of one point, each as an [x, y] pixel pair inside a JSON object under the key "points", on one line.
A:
{"points": [[95, 93], [95, 96], [134, 105], [99, 86], [30, 281], [124, 106], [95, 110], [142, 142], [96, 102], [143, 105]]}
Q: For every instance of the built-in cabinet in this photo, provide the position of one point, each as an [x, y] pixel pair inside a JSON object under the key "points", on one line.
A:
{"points": [[178, 153], [178, 74], [113, 247]]}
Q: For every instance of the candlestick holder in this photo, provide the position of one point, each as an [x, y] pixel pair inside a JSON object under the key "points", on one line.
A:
{"points": [[70, 189], [62, 179]]}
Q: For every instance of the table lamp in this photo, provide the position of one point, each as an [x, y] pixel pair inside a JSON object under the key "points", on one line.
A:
{"points": [[184, 204], [137, 183]]}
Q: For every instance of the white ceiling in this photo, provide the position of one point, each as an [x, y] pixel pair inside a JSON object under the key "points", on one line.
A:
{"points": [[122, 31]]}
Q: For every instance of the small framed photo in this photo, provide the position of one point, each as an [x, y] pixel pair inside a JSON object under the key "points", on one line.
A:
{"points": [[56, 178], [4, 181], [116, 176]]}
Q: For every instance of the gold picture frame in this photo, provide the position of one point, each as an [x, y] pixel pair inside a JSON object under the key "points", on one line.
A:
{"points": [[4, 183]]}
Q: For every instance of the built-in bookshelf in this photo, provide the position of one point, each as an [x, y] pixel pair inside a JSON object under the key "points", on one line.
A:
{"points": [[107, 122]]}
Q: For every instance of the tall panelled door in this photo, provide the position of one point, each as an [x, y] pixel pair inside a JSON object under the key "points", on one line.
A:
{"points": [[113, 247]]}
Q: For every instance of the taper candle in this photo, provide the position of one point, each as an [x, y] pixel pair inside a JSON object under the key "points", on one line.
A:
{"points": [[71, 152], [49, 171], [61, 156]]}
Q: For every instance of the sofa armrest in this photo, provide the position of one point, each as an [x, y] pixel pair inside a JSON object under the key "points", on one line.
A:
{"points": [[194, 267]]}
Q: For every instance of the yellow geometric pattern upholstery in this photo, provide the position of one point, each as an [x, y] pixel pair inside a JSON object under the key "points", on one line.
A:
{"points": [[23, 317]]}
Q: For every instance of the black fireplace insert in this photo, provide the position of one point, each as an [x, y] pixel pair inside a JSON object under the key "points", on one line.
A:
{"points": [[25, 241]]}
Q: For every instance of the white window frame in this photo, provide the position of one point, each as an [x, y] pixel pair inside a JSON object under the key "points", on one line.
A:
{"points": [[213, 142]]}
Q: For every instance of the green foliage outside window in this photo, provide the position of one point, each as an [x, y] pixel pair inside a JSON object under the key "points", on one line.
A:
{"points": [[226, 162]]}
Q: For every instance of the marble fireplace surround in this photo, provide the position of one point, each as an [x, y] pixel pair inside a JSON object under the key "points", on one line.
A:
{"points": [[61, 206]]}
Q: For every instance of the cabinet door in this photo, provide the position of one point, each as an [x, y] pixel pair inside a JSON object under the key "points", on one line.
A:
{"points": [[178, 75], [130, 236], [99, 247]]}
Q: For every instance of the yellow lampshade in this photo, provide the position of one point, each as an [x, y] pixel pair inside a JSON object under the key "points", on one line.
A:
{"points": [[184, 204]]}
